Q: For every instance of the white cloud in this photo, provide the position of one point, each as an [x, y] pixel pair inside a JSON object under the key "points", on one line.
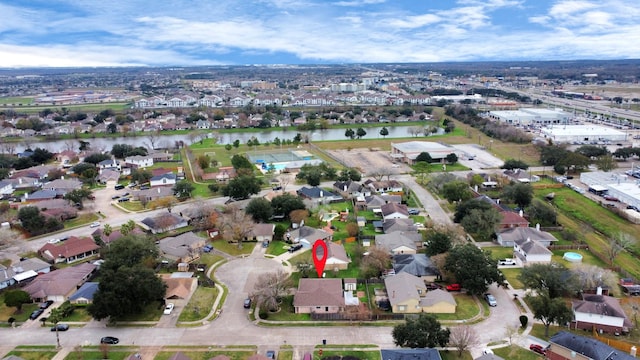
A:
{"points": [[355, 3]]}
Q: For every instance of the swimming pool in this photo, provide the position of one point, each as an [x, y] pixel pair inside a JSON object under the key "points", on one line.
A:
{"points": [[572, 257]]}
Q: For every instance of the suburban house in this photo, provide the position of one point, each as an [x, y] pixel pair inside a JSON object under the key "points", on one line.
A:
{"points": [[307, 235], [261, 233], [6, 187], [394, 225], [399, 242], [182, 248], [419, 265], [139, 161], [179, 285], [318, 194], [529, 251], [438, 301], [508, 237], [113, 236], [109, 164], [164, 222], [404, 292], [319, 296], [23, 182], [224, 174], [73, 249], [62, 186], [511, 219], [168, 179], [568, 346], [158, 192], [23, 270], [337, 258], [600, 312], [390, 186], [351, 188], [410, 354], [375, 202], [60, 284], [84, 295], [394, 211], [40, 195], [108, 176]]}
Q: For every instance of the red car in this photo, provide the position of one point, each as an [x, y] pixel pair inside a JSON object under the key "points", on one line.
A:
{"points": [[454, 287], [538, 348]]}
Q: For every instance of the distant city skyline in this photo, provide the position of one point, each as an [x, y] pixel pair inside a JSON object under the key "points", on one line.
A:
{"points": [[89, 33]]}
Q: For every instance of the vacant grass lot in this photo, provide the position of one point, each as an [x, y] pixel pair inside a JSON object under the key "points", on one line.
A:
{"points": [[362, 355], [199, 305], [35, 354], [233, 248], [516, 353]]}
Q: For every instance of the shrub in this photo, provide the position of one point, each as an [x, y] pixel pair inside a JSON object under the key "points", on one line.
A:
{"points": [[524, 320]]}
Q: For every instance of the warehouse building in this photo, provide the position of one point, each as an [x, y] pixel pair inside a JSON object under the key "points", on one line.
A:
{"points": [[531, 116], [582, 134], [619, 185], [407, 152]]}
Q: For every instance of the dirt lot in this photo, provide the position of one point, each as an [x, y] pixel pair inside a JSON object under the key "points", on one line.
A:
{"points": [[367, 160]]}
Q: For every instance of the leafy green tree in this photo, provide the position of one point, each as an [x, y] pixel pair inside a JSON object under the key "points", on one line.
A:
{"points": [[520, 193], [141, 176], [551, 155], [183, 189], [228, 147], [464, 208], [260, 210], [384, 131], [483, 223], [127, 227], [542, 213], [96, 158], [350, 133], [360, 132], [421, 332], [424, 157], [553, 279], [77, 196], [451, 158], [606, 163], [511, 164], [241, 162], [286, 203], [16, 298], [438, 242], [41, 156], [32, 220], [549, 310], [456, 191], [473, 268], [242, 187], [592, 151], [574, 161]]}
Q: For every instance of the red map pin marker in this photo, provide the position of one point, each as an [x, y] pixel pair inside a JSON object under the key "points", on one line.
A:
{"points": [[320, 261]]}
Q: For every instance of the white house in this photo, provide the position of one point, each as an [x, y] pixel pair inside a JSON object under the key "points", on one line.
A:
{"points": [[6, 187], [168, 179], [529, 251], [139, 161]]}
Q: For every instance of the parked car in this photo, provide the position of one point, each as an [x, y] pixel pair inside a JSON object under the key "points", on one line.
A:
{"points": [[94, 224], [414, 211], [46, 304], [124, 199], [109, 340], [271, 354], [119, 187], [506, 262], [247, 303], [207, 248], [611, 198], [538, 348], [168, 309], [454, 287], [35, 314], [53, 241], [60, 327], [295, 247], [491, 300], [115, 197], [433, 286]]}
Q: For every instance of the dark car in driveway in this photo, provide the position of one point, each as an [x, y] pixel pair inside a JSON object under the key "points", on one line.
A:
{"points": [[109, 340], [46, 304], [247, 303], [36, 313], [295, 247]]}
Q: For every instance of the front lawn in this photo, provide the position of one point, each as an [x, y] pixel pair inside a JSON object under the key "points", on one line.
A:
{"points": [[35, 354], [7, 312], [205, 355], [151, 312], [516, 352], [80, 220], [362, 355], [466, 308], [511, 275], [277, 247], [199, 305], [233, 249], [93, 353], [500, 252], [287, 312], [453, 355]]}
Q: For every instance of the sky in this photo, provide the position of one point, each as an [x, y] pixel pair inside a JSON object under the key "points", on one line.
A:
{"points": [[90, 33]]}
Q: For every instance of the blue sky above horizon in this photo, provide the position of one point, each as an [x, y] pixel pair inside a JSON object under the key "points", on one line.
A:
{"points": [[90, 33]]}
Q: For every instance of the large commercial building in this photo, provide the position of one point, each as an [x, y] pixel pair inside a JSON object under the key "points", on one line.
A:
{"points": [[582, 134], [619, 185], [408, 151], [531, 116]]}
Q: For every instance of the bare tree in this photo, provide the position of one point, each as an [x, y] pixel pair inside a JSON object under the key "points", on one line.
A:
{"points": [[375, 262], [235, 225], [511, 332], [153, 137], [69, 145], [270, 289], [591, 276], [462, 338], [285, 180], [618, 243]]}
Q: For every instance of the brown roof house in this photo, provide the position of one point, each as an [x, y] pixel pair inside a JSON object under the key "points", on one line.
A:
{"points": [[73, 249], [601, 312], [307, 235], [319, 296], [394, 211], [408, 294], [60, 284], [261, 233], [182, 248], [337, 258], [179, 285]]}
